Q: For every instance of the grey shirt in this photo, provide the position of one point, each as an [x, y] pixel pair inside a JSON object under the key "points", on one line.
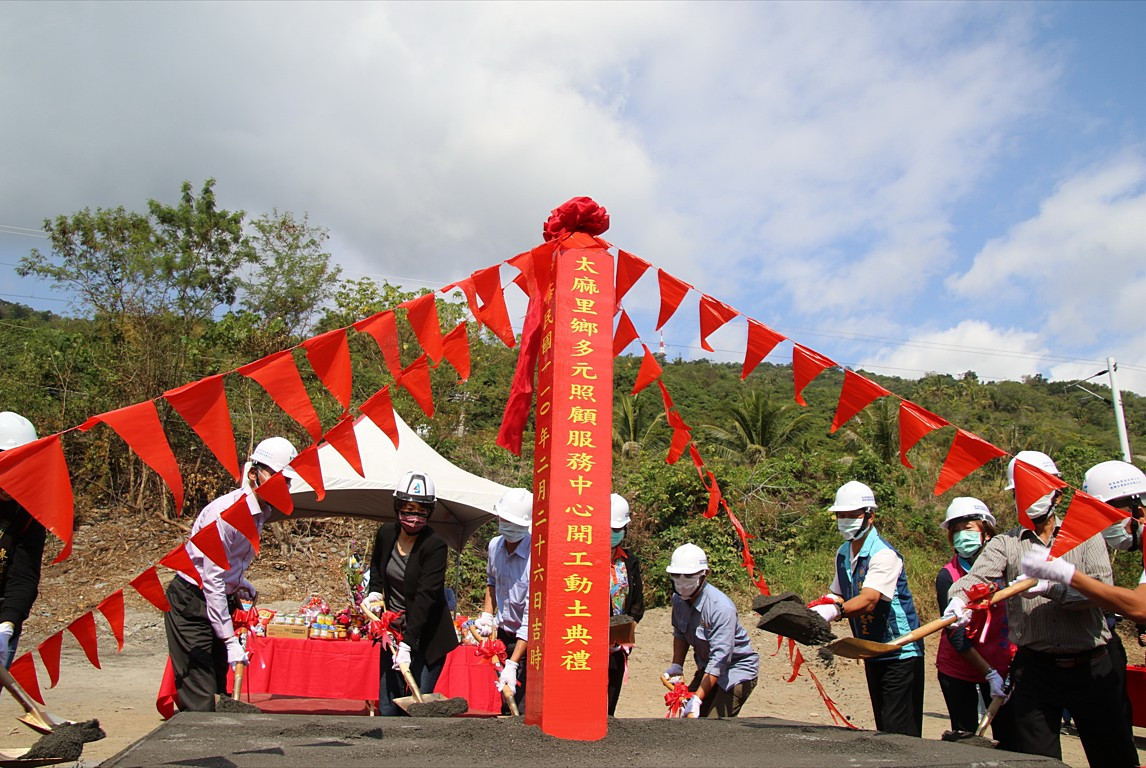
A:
{"points": [[1060, 621], [719, 643]]}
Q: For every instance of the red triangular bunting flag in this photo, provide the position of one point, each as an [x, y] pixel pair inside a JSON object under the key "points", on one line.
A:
{"points": [[203, 405], [380, 410], [84, 630], [112, 609], [276, 491], [238, 516], [1031, 484], [680, 438], [629, 271], [384, 330], [208, 541], [342, 437], [1085, 517], [147, 584], [697, 461], [139, 426], [967, 453], [665, 396], [493, 313], [761, 341], [713, 315], [50, 655], [673, 292], [279, 376], [24, 670], [649, 372], [456, 350], [625, 334], [36, 476], [857, 393], [914, 423], [422, 314], [179, 560], [329, 356], [714, 497], [416, 380], [807, 364], [310, 469]]}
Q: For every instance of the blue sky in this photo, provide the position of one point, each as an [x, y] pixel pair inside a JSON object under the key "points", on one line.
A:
{"points": [[904, 187]]}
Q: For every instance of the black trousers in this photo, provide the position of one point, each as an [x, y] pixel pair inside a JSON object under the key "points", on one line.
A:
{"points": [[896, 690], [1090, 688], [962, 699], [198, 657], [616, 678], [510, 640]]}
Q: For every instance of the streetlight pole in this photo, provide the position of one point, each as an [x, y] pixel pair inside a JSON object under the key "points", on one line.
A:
{"points": [[1119, 416]]}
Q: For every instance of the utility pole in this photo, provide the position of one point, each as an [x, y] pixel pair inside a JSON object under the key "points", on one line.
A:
{"points": [[1119, 416]]}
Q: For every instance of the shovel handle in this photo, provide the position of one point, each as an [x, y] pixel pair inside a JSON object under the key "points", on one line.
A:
{"points": [[405, 670], [237, 691], [27, 702], [989, 715], [510, 701], [934, 626], [365, 608]]}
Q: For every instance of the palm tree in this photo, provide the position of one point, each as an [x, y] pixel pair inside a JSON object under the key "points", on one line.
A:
{"points": [[759, 428], [636, 427], [878, 430]]}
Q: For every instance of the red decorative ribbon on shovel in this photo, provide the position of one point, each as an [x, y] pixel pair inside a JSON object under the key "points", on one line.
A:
{"points": [[677, 698], [979, 602], [383, 631], [491, 651]]}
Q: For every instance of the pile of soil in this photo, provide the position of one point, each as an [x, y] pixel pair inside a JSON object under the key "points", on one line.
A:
{"points": [[441, 708], [785, 614], [66, 741], [238, 706]]}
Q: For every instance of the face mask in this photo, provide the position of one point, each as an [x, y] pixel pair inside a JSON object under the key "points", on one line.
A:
{"points": [[851, 527], [412, 524], [1041, 508], [616, 538], [512, 532], [686, 586], [968, 543], [1117, 537]]}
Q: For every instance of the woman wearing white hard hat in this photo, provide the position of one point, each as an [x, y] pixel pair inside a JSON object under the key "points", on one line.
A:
{"points": [[626, 593], [408, 575], [506, 608], [870, 590], [22, 538], [972, 669], [705, 619], [200, 634]]}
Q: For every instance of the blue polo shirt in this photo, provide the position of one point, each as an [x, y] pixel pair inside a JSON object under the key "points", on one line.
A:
{"points": [[709, 624]]}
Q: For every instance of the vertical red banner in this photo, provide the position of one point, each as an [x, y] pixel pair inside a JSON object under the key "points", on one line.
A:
{"points": [[573, 473]]}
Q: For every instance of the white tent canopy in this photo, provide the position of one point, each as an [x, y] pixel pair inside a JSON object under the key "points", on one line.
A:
{"points": [[465, 501]]}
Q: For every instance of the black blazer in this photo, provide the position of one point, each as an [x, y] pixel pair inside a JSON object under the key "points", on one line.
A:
{"points": [[429, 628]]}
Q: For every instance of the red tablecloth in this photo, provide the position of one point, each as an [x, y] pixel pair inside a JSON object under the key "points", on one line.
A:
{"points": [[342, 669], [1136, 692]]}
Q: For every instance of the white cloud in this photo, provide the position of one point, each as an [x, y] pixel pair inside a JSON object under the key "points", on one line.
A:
{"points": [[972, 345]]}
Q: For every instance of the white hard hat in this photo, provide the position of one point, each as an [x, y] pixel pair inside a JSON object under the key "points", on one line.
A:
{"points": [[967, 507], [1114, 480], [274, 453], [416, 487], [853, 495], [618, 511], [1035, 459], [687, 558], [515, 506], [15, 431]]}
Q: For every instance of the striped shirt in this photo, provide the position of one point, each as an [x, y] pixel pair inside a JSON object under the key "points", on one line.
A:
{"points": [[1061, 621]]}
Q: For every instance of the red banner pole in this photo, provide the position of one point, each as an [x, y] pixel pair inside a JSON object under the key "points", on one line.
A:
{"points": [[573, 472]]}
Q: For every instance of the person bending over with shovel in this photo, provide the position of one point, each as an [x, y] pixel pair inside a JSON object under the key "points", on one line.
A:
{"points": [[408, 575], [870, 590], [705, 619], [200, 634]]}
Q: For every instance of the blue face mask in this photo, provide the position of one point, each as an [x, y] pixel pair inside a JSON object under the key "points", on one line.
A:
{"points": [[617, 537], [968, 543]]}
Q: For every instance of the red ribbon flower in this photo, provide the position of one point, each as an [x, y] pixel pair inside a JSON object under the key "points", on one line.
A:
{"points": [[492, 651], [383, 631], [979, 602], [581, 214], [677, 698]]}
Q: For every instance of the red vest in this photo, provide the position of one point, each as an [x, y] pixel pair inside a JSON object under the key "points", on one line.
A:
{"points": [[994, 645]]}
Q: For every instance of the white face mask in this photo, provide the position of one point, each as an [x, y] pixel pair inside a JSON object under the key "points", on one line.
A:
{"points": [[1041, 508], [1117, 537], [512, 532], [686, 586], [851, 527]]}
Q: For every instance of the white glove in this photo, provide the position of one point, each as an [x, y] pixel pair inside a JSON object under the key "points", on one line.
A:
{"points": [[1035, 564], [402, 657], [829, 612], [995, 680], [957, 607], [370, 600], [7, 629], [485, 624], [1041, 588], [675, 673], [248, 587], [508, 676], [691, 707], [235, 652]]}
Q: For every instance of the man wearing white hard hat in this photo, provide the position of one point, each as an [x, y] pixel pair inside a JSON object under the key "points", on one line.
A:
{"points": [[972, 670], [506, 608], [870, 590], [200, 634], [626, 593], [705, 619], [1062, 661], [21, 547]]}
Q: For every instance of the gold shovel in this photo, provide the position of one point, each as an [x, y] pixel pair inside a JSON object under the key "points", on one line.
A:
{"points": [[856, 648], [404, 702], [37, 718], [510, 699]]}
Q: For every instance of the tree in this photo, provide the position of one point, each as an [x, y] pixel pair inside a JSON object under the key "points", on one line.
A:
{"points": [[636, 425], [759, 428]]}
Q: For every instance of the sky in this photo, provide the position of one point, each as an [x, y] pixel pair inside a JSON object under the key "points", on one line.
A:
{"points": [[905, 187]]}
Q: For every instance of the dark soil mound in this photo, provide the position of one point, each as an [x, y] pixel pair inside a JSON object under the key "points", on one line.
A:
{"points": [[443, 708], [970, 739], [763, 603], [66, 741], [227, 704], [797, 622]]}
